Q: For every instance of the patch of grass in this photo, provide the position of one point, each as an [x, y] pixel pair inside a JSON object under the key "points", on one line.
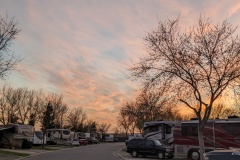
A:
{"points": [[15, 153], [44, 148]]}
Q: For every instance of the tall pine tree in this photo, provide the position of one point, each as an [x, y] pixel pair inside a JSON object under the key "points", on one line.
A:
{"points": [[48, 120]]}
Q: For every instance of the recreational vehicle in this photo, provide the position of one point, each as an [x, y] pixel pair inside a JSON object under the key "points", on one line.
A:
{"points": [[77, 135], [38, 138], [57, 136], [183, 135], [218, 134], [80, 135], [109, 138], [160, 130], [16, 136]]}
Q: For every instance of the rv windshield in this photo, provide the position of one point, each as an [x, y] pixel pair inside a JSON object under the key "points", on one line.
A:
{"points": [[152, 128], [39, 135], [66, 132]]}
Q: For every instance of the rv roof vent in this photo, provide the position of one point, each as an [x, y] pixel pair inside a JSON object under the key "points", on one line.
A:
{"points": [[194, 119], [229, 117]]}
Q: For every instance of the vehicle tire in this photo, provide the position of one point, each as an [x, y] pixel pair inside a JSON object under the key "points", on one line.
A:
{"points": [[170, 157], [161, 155], [194, 155], [134, 154], [26, 144]]}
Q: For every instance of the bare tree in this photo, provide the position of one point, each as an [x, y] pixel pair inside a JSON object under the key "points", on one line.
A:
{"points": [[8, 32], [116, 131], [62, 115], [150, 105], [125, 119], [59, 108], [37, 106], [4, 111], [103, 128], [75, 118], [9, 101], [221, 111], [22, 95], [199, 64], [90, 126]]}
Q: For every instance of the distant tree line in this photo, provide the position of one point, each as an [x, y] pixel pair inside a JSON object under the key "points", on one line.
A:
{"points": [[48, 110], [34, 107]]}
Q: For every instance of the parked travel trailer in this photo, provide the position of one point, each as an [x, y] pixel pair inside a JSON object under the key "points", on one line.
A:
{"points": [[80, 135], [16, 136], [57, 136], [87, 135], [183, 135], [38, 138]]}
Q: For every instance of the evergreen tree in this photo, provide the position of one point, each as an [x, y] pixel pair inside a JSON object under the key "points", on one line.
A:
{"points": [[48, 118]]}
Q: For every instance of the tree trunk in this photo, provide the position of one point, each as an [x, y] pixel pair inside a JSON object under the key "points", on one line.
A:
{"points": [[201, 142]]}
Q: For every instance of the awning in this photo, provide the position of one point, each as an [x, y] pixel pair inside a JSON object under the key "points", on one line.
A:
{"points": [[4, 128]]}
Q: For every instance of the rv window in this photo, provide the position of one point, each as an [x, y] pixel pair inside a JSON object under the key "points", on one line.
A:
{"points": [[48, 134], [168, 129], [232, 128], [153, 129], [190, 129], [145, 130]]}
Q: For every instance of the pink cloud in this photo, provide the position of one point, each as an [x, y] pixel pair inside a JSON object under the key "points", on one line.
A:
{"points": [[82, 49]]}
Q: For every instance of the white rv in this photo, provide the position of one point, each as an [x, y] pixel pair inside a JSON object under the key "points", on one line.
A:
{"points": [[57, 136], [16, 136], [109, 138], [78, 135], [160, 130], [38, 138]]}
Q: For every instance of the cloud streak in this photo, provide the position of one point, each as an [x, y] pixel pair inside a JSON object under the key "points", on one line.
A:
{"points": [[81, 49]]}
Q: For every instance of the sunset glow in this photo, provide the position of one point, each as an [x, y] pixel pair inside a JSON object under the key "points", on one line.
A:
{"points": [[82, 49]]}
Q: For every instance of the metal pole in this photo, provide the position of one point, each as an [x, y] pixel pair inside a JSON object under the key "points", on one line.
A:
{"points": [[214, 138]]}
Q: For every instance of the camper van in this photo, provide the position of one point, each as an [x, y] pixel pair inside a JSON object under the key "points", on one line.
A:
{"points": [[16, 136]]}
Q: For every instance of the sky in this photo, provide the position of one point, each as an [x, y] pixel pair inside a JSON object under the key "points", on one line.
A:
{"points": [[82, 49]]}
